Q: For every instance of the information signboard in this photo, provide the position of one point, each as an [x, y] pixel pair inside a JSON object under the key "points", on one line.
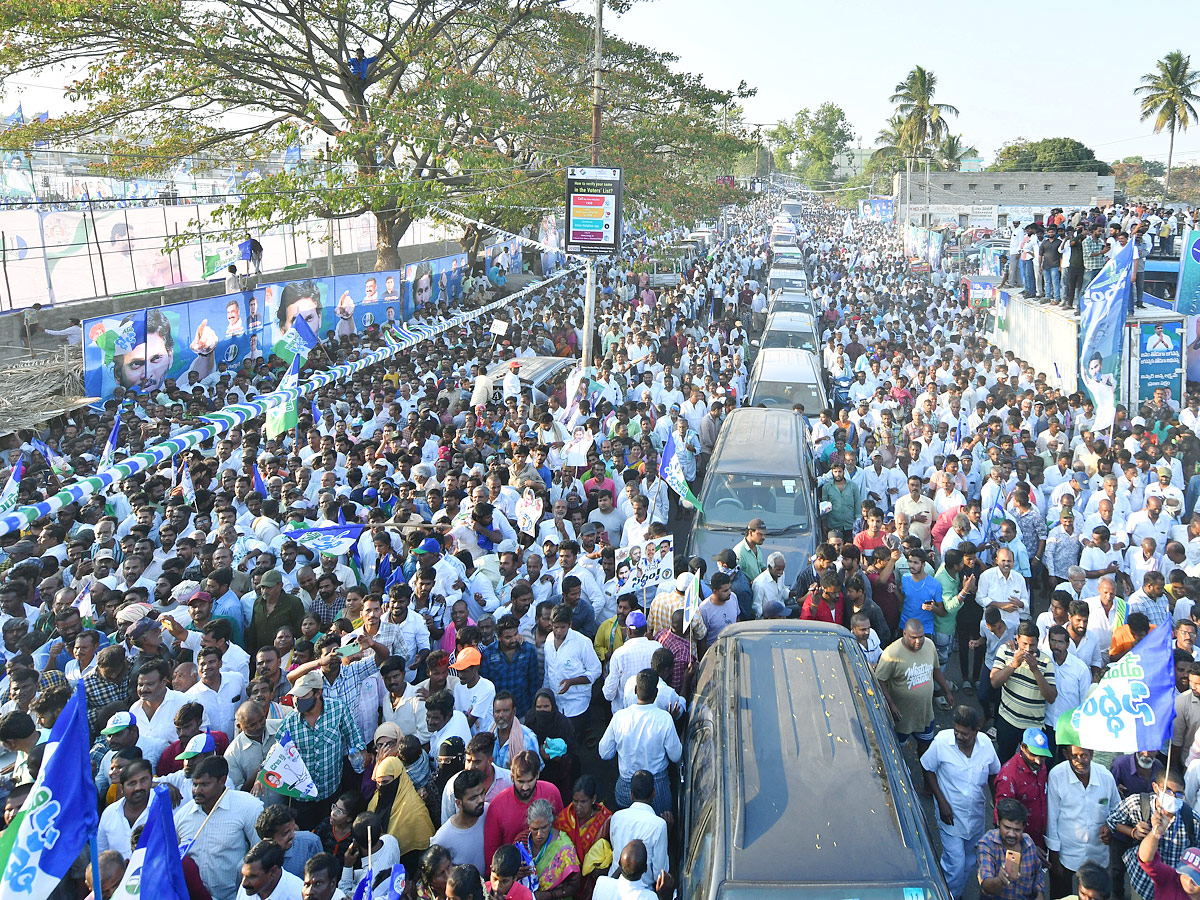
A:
{"points": [[593, 210]]}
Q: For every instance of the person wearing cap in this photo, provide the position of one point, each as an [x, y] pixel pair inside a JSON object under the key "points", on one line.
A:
{"points": [[1023, 778], [199, 747], [324, 731], [960, 767], [473, 694], [1131, 821], [272, 610], [634, 655]]}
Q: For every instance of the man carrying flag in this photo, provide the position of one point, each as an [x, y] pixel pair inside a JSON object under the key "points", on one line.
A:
{"points": [[46, 836], [283, 414], [671, 468], [110, 446]]}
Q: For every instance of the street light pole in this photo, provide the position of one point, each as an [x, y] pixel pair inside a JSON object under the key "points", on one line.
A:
{"points": [[589, 297]]}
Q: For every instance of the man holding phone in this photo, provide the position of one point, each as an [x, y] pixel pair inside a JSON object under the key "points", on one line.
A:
{"points": [[1009, 865]]}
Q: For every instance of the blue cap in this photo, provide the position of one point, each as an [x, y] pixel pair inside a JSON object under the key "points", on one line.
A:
{"points": [[201, 743], [429, 545], [1036, 742], [635, 619]]}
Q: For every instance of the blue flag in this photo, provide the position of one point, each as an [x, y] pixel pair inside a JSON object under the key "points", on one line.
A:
{"points": [[258, 482], [670, 470], [297, 341], [59, 815], [396, 882], [316, 413], [363, 891], [1101, 329], [156, 862], [1133, 706], [332, 541]]}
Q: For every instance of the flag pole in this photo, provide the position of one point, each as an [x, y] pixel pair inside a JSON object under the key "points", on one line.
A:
{"points": [[94, 847]]}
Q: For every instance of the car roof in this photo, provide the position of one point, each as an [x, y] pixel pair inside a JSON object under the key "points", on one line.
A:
{"points": [[790, 320], [533, 368], [784, 364], [810, 786], [751, 441]]}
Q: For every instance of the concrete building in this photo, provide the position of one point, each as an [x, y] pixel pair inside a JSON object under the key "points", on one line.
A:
{"points": [[993, 199]]}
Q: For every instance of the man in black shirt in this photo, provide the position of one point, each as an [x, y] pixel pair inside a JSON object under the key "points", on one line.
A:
{"points": [[1051, 253], [1074, 286]]}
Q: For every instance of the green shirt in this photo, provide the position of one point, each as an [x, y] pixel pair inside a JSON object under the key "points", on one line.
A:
{"points": [[325, 745], [750, 560], [845, 501], [263, 625], [945, 624]]}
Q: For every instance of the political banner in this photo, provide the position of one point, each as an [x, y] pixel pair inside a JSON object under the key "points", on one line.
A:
{"points": [[529, 512], [1101, 331], [641, 567], [334, 540], [1160, 360], [876, 210], [284, 771], [1188, 296], [144, 349]]}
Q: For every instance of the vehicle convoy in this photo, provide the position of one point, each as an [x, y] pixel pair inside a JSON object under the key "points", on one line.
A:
{"points": [[781, 378], [794, 784], [760, 468]]}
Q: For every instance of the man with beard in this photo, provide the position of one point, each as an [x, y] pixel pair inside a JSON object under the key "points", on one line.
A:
{"points": [[505, 821], [1000, 877], [118, 820]]}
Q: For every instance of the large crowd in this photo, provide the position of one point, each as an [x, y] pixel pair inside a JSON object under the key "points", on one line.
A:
{"points": [[460, 682]]}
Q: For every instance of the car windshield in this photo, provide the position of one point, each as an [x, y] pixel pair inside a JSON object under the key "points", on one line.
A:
{"points": [[786, 394], [792, 340], [788, 283], [731, 500]]}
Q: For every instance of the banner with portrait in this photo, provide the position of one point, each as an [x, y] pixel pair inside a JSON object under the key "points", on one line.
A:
{"points": [[1160, 360], [642, 567], [144, 349], [876, 210]]}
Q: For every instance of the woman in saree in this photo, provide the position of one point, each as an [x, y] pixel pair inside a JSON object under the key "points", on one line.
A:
{"points": [[585, 822], [554, 861]]}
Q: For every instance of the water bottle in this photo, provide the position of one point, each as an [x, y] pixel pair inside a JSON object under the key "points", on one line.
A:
{"points": [[356, 760]]}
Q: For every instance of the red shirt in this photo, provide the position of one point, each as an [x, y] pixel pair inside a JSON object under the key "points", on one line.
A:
{"points": [[816, 610], [865, 543], [167, 763], [505, 822], [1020, 782]]}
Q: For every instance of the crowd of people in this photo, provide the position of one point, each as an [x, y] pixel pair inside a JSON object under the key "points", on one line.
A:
{"points": [[461, 681]]}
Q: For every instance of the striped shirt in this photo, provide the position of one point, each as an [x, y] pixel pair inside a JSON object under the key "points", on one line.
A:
{"points": [[1021, 700]]}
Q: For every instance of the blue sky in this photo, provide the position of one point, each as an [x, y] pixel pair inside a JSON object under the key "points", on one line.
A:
{"points": [[1018, 69]]}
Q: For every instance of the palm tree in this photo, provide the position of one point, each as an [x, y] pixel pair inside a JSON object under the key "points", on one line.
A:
{"points": [[926, 120], [1169, 96], [950, 153]]}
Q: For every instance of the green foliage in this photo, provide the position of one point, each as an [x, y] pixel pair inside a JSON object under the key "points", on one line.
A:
{"points": [[1169, 95], [1049, 155], [919, 122], [1185, 184], [1131, 164], [811, 141], [478, 105], [950, 153]]}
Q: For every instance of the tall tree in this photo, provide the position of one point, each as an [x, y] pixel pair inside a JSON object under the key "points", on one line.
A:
{"points": [[812, 140], [1169, 96], [924, 118], [951, 152]]}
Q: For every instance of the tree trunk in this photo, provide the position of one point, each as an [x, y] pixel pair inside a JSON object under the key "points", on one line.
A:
{"points": [[1170, 156], [390, 228]]}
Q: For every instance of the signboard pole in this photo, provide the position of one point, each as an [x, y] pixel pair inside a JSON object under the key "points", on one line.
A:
{"points": [[589, 315]]}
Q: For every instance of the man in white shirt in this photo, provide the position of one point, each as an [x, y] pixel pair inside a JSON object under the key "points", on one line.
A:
{"points": [[629, 659], [1078, 796], [571, 666], [157, 704], [633, 862], [264, 877], [643, 737], [1004, 587], [640, 822]]}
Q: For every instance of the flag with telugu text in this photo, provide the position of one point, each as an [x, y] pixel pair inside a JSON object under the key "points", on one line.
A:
{"points": [[671, 471]]}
